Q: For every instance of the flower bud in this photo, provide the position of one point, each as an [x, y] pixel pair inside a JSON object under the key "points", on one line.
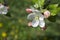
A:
{"points": [[46, 14], [28, 10], [30, 24]]}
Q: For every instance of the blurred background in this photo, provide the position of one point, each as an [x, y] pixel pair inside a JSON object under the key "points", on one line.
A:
{"points": [[13, 26]]}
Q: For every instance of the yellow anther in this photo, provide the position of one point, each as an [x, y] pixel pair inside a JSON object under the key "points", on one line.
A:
{"points": [[36, 18]]}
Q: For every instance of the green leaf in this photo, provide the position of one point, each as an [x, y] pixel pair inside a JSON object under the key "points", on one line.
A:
{"points": [[34, 1], [52, 18], [42, 2], [54, 12], [52, 6], [58, 9], [38, 3]]}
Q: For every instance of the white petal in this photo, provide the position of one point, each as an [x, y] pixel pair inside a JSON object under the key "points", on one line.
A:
{"points": [[42, 23], [35, 10], [35, 23], [4, 10], [31, 16], [41, 17]]}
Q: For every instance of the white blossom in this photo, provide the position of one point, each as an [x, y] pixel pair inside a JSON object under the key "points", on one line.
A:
{"points": [[37, 18], [3, 9]]}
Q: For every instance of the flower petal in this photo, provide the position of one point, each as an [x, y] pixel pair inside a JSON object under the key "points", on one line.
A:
{"points": [[35, 23], [42, 23], [41, 17], [4, 10], [34, 10], [31, 16]]}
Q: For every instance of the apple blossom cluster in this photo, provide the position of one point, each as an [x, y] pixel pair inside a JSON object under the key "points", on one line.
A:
{"points": [[3, 9], [37, 17]]}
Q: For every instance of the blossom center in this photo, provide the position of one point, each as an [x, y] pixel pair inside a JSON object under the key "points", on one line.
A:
{"points": [[36, 18]]}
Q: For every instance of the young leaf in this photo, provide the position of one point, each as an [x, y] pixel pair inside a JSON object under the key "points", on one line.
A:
{"points": [[52, 18], [58, 9], [52, 6], [38, 3], [54, 12], [34, 1]]}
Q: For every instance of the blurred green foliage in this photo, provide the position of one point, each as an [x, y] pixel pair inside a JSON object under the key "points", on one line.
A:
{"points": [[14, 25]]}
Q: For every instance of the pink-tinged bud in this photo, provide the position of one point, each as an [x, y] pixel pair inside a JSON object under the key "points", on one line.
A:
{"points": [[46, 14], [30, 24], [28, 10]]}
